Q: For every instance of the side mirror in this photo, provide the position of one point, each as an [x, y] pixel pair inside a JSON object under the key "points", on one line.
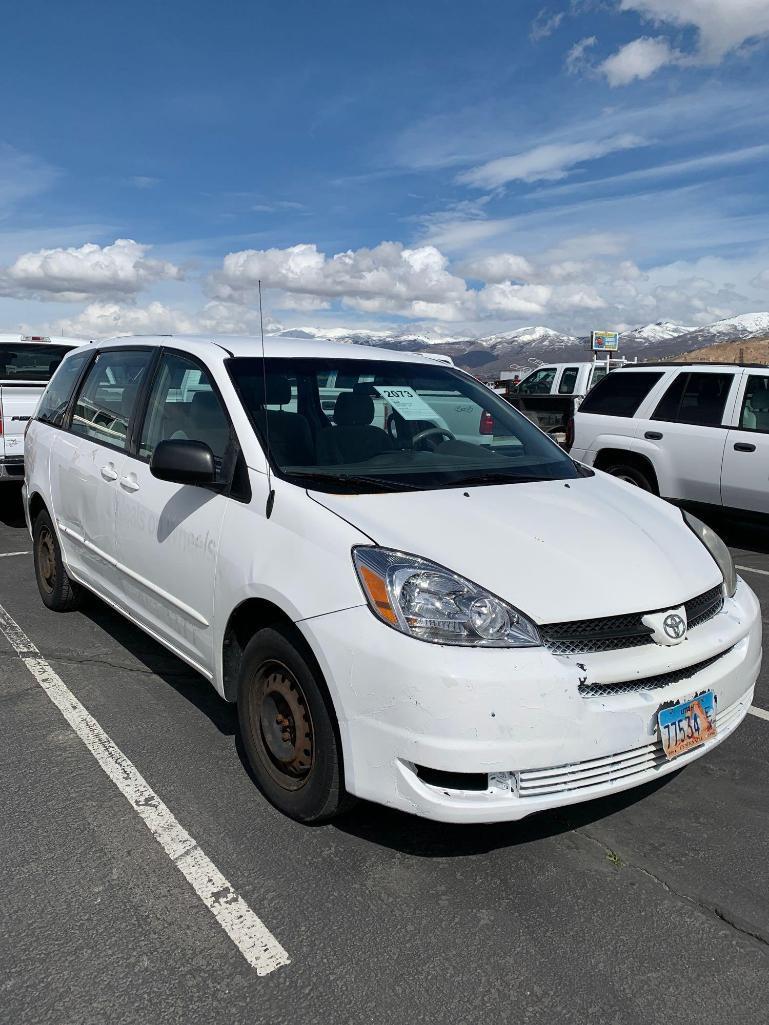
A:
{"points": [[183, 462]]}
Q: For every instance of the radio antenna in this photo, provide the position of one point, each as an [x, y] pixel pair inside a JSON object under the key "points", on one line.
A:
{"points": [[270, 490]]}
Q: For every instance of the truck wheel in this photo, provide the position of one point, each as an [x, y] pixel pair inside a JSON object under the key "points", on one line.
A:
{"points": [[633, 475], [58, 591], [287, 729]]}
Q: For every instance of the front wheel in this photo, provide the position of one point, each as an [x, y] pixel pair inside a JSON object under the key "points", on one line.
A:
{"points": [[287, 728], [633, 475], [59, 592]]}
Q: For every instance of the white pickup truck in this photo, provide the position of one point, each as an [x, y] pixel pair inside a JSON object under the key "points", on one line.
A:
{"points": [[27, 363], [550, 395]]}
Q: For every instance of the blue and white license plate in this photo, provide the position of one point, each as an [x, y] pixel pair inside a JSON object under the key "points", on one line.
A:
{"points": [[687, 724]]}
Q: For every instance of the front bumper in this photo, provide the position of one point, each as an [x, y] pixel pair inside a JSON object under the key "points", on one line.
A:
{"points": [[517, 715]]}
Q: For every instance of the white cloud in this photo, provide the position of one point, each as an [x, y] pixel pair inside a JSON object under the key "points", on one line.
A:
{"points": [[545, 24], [102, 319], [548, 162], [90, 270], [638, 59], [508, 300], [575, 58], [498, 267], [143, 181], [722, 25], [387, 272]]}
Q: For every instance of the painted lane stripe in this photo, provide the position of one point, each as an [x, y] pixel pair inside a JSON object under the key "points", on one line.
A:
{"points": [[249, 934], [760, 712], [752, 569], [7, 555]]}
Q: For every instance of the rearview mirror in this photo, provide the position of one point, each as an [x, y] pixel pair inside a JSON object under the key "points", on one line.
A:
{"points": [[183, 462]]}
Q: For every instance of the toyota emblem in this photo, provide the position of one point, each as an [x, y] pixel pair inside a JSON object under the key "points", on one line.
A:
{"points": [[674, 626]]}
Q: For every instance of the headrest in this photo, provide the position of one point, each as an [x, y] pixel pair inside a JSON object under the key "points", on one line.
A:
{"points": [[278, 390], [205, 407], [710, 387], [759, 401], [353, 409]]}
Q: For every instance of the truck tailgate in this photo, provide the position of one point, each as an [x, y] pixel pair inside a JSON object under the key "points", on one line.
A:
{"points": [[17, 403]]}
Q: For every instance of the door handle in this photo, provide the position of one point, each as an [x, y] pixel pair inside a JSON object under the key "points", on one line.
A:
{"points": [[130, 483], [108, 472], [743, 446], [653, 436]]}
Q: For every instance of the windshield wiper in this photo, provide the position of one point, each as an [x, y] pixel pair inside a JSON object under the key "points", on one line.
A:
{"points": [[354, 478], [492, 478]]}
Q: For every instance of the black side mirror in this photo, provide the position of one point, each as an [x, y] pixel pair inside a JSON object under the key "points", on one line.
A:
{"points": [[183, 462]]}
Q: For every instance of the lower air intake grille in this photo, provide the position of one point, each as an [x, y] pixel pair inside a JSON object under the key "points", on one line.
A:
{"points": [[596, 773], [602, 690]]}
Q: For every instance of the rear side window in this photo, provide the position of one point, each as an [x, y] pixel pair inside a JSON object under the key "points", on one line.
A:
{"points": [[620, 394], [755, 408], [55, 400], [107, 397], [26, 362], [568, 381], [697, 398], [538, 383]]}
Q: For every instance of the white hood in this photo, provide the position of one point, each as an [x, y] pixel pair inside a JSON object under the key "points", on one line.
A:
{"points": [[557, 550]]}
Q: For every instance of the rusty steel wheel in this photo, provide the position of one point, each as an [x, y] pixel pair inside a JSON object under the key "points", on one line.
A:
{"points": [[58, 591], [46, 560], [288, 729], [285, 726]]}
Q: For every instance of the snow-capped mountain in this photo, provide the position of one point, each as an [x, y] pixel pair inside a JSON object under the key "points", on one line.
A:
{"points": [[522, 346], [733, 329], [651, 334], [541, 337]]}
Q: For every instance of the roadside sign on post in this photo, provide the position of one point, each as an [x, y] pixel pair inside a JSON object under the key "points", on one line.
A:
{"points": [[604, 341]]}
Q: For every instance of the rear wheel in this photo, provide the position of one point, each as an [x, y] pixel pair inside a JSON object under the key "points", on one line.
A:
{"points": [[58, 591], [287, 728], [633, 475]]}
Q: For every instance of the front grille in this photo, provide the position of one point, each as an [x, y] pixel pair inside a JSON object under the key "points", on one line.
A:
{"points": [[596, 773], [612, 633], [601, 690]]}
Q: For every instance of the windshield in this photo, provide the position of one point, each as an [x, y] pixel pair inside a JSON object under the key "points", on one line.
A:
{"points": [[374, 425], [25, 362]]}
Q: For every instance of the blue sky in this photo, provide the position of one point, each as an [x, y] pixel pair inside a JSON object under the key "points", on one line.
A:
{"points": [[439, 167]]}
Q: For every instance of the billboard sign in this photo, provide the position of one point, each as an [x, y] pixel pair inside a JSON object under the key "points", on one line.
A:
{"points": [[605, 341]]}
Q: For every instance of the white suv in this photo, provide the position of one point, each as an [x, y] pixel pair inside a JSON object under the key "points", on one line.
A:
{"points": [[695, 433], [294, 550]]}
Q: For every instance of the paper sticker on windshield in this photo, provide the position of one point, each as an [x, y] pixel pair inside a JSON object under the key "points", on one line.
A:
{"points": [[406, 402]]}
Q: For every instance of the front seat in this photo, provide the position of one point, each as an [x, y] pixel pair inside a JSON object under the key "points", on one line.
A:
{"points": [[288, 434], [354, 439], [208, 423]]}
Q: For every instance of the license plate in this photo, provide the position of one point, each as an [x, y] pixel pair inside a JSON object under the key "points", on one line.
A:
{"points": [[687, 724]]}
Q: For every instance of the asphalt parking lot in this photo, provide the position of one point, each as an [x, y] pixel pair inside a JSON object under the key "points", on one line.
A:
{"points": [[651, 906]]}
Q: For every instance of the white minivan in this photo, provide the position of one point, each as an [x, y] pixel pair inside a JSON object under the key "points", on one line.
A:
{"points": [[345, 575]]}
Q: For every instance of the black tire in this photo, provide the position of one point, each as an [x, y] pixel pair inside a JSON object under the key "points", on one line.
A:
{"points": [[58, 591], [633, 475], [288, 728]]}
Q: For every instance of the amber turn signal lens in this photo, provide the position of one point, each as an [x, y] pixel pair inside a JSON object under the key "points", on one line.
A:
{"points": [[377, 595]]}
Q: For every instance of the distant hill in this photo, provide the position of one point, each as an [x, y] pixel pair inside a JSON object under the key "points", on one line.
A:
{"points": [[524, 347], [754, 351]]}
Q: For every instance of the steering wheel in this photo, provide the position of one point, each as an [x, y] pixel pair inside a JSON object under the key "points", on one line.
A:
{"points": [[442, 431]]}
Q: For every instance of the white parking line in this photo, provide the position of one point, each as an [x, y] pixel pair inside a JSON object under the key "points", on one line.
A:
{"points": [[252, 938], [752, 569], [7, 555], [760, 712]]}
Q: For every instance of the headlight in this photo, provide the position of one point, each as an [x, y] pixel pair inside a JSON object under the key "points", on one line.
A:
{"points": [[719, 551], [425, 600]]}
